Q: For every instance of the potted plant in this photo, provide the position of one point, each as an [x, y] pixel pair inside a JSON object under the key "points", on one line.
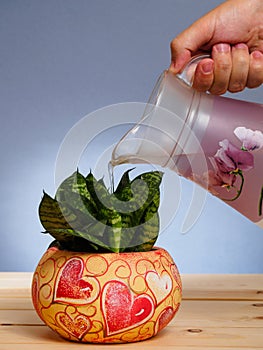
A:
{"points": [[102, 280]]}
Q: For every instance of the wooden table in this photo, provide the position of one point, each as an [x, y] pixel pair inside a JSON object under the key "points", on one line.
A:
{"points": [[217, 312]]}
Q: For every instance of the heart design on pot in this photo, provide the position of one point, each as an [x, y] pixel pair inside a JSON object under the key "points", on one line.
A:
{"points": [[165, 317], [161, 286], [72, 285], [123, 309], [76, 326]]}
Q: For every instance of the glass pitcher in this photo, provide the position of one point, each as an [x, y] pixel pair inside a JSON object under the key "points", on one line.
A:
{"points": [[215, 141]]}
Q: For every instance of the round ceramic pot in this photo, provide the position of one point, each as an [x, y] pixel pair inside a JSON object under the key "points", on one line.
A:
{"points": [[108, 297]]}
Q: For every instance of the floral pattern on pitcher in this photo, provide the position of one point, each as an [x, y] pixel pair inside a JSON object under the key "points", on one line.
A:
{"points": [[230, 163]]}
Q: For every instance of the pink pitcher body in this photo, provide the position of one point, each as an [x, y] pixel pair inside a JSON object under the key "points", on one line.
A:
{"points": [[232, 145]]}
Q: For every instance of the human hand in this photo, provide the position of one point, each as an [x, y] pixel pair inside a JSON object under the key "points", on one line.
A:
{"points": [[235, 44]]}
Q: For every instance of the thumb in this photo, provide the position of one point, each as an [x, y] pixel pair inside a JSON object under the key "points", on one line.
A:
{"points": [[191, 41], [179, 57]]}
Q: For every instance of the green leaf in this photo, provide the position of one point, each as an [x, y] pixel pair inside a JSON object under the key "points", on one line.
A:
{"points": [[146, 235], [52, 218], [68, 225], [140, 222], [74, 191], [114, 231], [50, 214], [76, 183], [99, 193], [123, 190], [104, 201]]}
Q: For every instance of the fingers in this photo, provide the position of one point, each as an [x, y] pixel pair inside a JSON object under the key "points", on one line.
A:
{"points": [[214, 74], [204, 75], [230, 69], [221, 54], [190, 42], [240, 68], [182, 58], [255, 74]]}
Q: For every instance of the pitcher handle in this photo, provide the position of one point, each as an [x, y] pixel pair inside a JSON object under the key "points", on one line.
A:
{"points": [[188, 72]]}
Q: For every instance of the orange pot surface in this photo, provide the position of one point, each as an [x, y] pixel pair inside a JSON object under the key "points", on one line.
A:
{"points": [[106, 298]]}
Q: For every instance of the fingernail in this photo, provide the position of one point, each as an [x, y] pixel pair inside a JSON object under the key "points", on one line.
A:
{"points": [[222, 48], [241, 46], [257, 54], [207, 67]]}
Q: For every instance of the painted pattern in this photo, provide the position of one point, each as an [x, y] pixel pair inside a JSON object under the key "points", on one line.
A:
{"points": [[106, 298]]}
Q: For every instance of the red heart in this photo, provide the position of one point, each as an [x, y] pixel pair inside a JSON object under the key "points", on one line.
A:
{"points": [[165, 317], [71, 284], [124, 310], [77, 326]]}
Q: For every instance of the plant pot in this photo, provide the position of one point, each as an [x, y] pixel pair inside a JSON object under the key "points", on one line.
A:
{"points": [[107, 297]]}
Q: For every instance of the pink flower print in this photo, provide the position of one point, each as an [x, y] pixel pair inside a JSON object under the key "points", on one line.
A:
{"points": [[229, 162], [229, 158], [220, 176], [251, 140], [207, 180]]}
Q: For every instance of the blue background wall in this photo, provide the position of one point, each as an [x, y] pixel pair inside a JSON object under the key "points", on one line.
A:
{"points": [[62, 59]]}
